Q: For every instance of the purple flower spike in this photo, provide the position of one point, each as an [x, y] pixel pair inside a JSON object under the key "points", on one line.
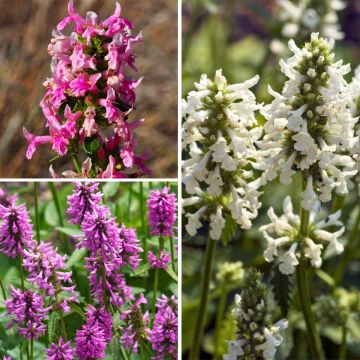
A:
{"points": [[16, 230], [163, 336], [90, 343], [44, 264], [136, 325], [161, 212], [84, 198], [29, 313], [101, 318], [130, 247], [61, 351], [6, 199], [159, 262]]}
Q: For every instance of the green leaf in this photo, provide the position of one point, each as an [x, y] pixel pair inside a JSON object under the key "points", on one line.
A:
{"points": [[75, 257], [110, 189], [91, 145], [229, 230], [51, 215], [70, 231], [172, 273], [282, 288], [141, 270], [52, 325], [78, 310]]}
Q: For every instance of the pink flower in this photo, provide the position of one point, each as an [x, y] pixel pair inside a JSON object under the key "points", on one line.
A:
{"points": [[90, 127], [80, 60], [112, 113], [84, 83], [34, 141], [159, 262]]}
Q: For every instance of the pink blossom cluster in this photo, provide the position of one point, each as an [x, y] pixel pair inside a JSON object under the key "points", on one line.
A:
{"points": [[159, 262], [90, 96], [60, 351]]}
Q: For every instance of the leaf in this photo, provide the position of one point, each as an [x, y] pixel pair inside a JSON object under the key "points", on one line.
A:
{"points": [[140, 270], [75, 257], [91, 145], [282, 288], [110, 189], [70, 231], [51, 215], [52, 325], [78, 310], [229, 230], [172, 273]]}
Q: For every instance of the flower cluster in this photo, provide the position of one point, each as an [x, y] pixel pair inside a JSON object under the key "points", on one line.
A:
{"points": [[91, 91], [6, 199], [161, 212], [256, 337], [301, 19], [60, 351], [135, 329], [29, 312], [45, 267], [309, 126], [16, 230], [219, 133], [159, 262], [163, 336], [285, 244]]}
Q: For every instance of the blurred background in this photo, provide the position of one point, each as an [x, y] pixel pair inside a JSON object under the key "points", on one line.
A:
{"points": [[25, 31], [238, 36]]}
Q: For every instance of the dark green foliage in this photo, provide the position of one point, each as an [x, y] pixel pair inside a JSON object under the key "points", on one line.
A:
{"points": [[282, 286]]}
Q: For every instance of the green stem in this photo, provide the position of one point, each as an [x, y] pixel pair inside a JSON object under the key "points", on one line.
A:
{"points": [[172, 253], [348, 252], [130, 201], [63, 327], [142, 215], [219, 318], [342, 350], [21, 272], [32, 348], [200, 321], [3, 290], [76, 163], [37, 218], [303, 289], [156, 277]]}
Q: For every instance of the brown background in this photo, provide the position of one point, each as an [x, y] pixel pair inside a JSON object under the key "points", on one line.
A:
{"points": [[25, 31]]}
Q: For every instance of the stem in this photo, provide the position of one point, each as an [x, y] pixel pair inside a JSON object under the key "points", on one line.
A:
{"points": [[199, 329], [130, 201], [142, 215], [32, 348], [348, 252], [342, 350], [76, 163], [303, 289], [219, 318], [3, 290], [37, 218], [63, 327], [156, 278], [172, 253], [21, 272]]}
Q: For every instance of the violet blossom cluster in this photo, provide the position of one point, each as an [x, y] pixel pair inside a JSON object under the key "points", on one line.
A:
{"points": [[27, 308], [159, 262], [60, 351], [90, 95], [163, 336], [45, 267], [16, 230]]}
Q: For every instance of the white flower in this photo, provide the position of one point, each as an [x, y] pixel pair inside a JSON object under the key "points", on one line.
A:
{"points": [[217, 223], [309, 199], [215, 182], [272, 246], [288, 261], [194, 222], [313, 252], [235, 349], [332, 238]]}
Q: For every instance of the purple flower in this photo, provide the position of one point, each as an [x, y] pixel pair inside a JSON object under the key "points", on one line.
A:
{"points": [[163, 336], [84, 198], [29, 312], [90, 342], [101, 318], [61, 351], [161, 212], [135, 328], [130, 247], [159, 262], [44, 264], [16, 230], [6, 199]]}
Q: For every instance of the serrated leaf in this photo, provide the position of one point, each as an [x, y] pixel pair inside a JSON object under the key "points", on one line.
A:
{"points": [[282, 288], [78, 310], [91, 145], [140, 270], [229, 230], [77, 255], [172, 273], [52, 325]]}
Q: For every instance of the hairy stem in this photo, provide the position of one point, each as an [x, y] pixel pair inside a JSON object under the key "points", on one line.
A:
{"points": [[303, 289], [21, 272], [200, 321], [37, 218], [156, 276], [32, 348]]}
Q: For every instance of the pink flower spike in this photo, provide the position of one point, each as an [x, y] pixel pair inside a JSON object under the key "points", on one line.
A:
{"points": [[112, 113], [34, 141], [83, 83]]}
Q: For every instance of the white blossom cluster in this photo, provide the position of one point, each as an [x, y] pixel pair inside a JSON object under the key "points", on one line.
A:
{"points": [[267, 338], [219, 133], [300, 19], [310, 127], [283, 238]]}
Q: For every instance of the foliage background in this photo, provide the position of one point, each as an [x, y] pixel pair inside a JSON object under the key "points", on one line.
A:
{"points": [[124, 201], [25, 32], [235, 36]]}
